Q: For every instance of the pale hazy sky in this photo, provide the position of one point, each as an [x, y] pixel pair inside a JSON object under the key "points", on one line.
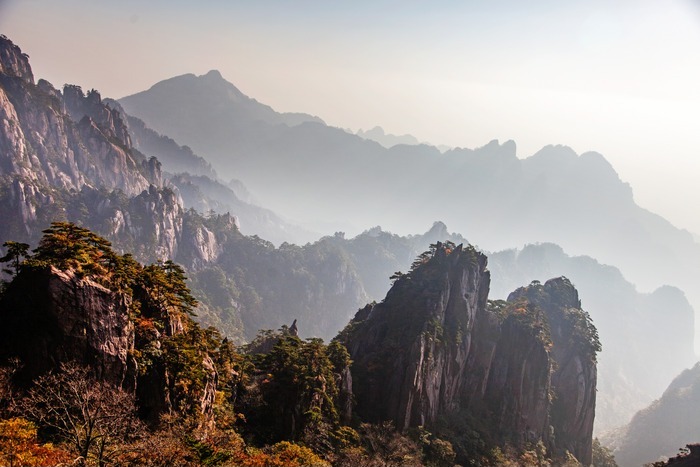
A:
{"points": [[621, 78]]}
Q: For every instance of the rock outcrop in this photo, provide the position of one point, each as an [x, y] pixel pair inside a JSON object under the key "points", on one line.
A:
{"points": [[66, 318], [49, 317], [53, 144], [574, 347], [13, 62], [436, 347], [69, 155]]}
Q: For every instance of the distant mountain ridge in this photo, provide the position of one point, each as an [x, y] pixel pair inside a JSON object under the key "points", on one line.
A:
{"points": [[210, 92], [664, 426], [387, 140], [488, 193]]}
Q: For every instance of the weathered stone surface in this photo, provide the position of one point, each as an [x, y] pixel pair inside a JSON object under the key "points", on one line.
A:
{"points": [[411, 350], [50, 317], [575, 375], [13, 62], [434, 347]]}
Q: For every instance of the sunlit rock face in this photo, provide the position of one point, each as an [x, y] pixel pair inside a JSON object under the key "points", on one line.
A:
{"points": [[436, 347], [67, 154], [54, 144]]}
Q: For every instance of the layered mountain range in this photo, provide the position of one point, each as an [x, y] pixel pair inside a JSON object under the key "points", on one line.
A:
{"points": [[66, 154], [556, 195]]}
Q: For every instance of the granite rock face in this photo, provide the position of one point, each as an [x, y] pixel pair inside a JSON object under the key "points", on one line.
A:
{"points": [[436, 347], [13, 62], [404, 368], [574, 347], [69, 155], [67, 318], [49, 317], [53, 144]]}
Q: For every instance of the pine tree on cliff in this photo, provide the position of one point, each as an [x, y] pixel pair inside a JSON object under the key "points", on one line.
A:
{"points": [[68, 246], [15, 252]]}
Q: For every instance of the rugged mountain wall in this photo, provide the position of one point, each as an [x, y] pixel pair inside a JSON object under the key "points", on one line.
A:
{"points": [[68, 155], [648, 336], [50, 316], [13, 62], [574, 347], [419, 317], [67, 318], [53, 144], [436, 347]]}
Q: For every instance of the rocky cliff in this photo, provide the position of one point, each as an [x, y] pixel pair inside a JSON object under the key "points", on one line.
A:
{"points": [[67, 318], [574, 348], [55, 143], [127, 336], [436, 347], [69, 155]]}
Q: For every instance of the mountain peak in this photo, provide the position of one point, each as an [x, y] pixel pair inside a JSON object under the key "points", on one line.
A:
{"points": [[213, 74], [438, 229], [13, 62]]}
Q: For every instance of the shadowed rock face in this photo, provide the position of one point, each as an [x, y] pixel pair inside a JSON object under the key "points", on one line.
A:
{"points": [[574, 347], [435, 346], [407, 370], [49, 317], [64, 319]]}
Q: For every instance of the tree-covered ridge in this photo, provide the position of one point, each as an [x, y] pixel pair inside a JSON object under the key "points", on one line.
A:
{"points": [[193, 398], [185, 375], [188, 396]]}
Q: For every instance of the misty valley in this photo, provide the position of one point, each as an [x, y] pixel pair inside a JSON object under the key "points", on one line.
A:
{"points": [[191, 278]]}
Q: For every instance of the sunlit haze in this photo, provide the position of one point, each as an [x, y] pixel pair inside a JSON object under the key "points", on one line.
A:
{"points": [[621, 79]]}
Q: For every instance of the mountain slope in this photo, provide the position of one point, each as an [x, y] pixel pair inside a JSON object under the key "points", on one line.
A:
{"points": [[498, 200], [201, 189], [660, 429]]}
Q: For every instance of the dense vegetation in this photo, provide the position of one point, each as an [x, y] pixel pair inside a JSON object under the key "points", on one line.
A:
{"points": [[279, 401]]}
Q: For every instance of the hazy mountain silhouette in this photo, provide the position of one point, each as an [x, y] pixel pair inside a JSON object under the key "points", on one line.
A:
{"points": [[201, 189], [387, 140], [667, 424], [496, 199]]}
